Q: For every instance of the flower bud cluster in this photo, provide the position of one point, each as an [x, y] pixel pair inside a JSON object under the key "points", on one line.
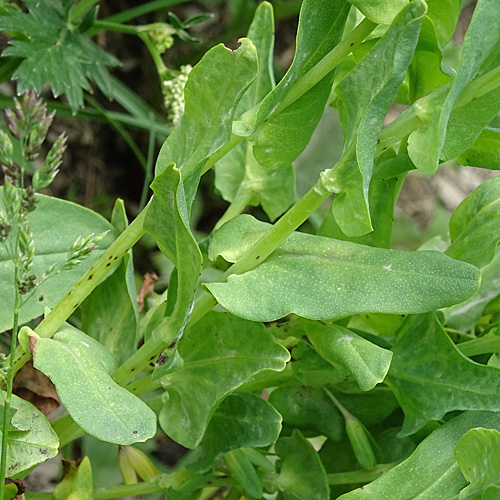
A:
{"points": [[173, 95]]}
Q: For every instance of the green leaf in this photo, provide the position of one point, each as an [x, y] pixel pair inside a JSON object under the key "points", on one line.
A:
{"points": [[79, 368], [321, 278], [241, 468], [425, 145], [220, 353], [365, 96], [308, 409], [467, 122], [444, 15], [110, 315], [478, 454], [367, 362], [210, 101], [241, 420], [474, 229], [485, 152], [431, 472], [301, 474], [425, 73], [379, 11], [464, 316], [31, 439], [382, 198], [53, 54], [76, 482], [53, 236], [238, 173], [167, 220], [430, 377], [281, 135]]}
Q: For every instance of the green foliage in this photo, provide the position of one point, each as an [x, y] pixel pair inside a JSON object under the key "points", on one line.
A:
{"points": [[334, 365]]}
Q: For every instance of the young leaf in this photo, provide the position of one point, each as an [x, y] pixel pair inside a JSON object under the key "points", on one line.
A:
{"points": [[31, 439], [478, 454], [365, 96], [367, 362], [238, 173], [321, 278], [425, 145], [474, 230], [53, 237], [53, 52], [216, 361], [444, 15], [76, 483], [167, 220], [432, 471], [241, 468], [430, 377], [281, 136], [79, 368], [212, 92], [295, 481], [241, 420]]}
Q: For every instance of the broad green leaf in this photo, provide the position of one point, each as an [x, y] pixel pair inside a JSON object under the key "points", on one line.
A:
{"points": [[238, 173], [431, 472], [79, 368], [478, 454], [430, 377], [365, 96], [444, 15], [379, 11], [54, 54], [425, 145], [211, 95], [281, 135], [31, 439], [467, 122], [367, 362], [53, 236], [241, 420], [485, 152], [110, 313], [301, 473], [464, 316], [474, 229], [308, 409], [220, 353], [321, 278], [76, 483], [167, 220], [241, 468]]}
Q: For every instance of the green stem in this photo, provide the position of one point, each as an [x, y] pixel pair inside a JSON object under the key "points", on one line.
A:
{"points": [[114, 26], [70, 302], [359, 476], [488, 344], [327, 64], [241, 200]]}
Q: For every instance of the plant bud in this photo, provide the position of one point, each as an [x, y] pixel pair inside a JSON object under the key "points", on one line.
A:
{"points": [[360, 442], [135, 464]]}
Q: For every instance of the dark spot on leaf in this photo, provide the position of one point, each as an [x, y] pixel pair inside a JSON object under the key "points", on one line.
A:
{"points": [[69, 293], [110, 257], [40, 299], [91, 276], [378, 141], [384, 148], [108, 264], [151, 365], [352, 43], [43, 451], [173, 344], [258, 257], [135, 432]]}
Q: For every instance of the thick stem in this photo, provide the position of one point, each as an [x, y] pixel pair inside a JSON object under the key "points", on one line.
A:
{"points": [[359, 476], [93, 277]]}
